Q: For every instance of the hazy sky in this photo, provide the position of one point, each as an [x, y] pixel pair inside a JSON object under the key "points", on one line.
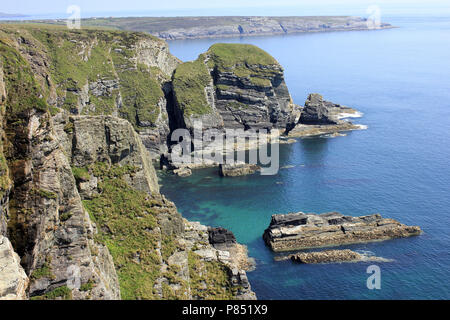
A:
{"points": [[59, 6]]}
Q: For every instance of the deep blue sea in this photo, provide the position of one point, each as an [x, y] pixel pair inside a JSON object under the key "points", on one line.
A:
{"points": [[398, 167]]}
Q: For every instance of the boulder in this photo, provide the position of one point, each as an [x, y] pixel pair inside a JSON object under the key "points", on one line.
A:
{"points": [[327, 256], [221, 238]]}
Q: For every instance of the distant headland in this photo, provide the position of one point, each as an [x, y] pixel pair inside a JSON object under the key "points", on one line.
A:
{"points": [[11, 15], [178, 28]]}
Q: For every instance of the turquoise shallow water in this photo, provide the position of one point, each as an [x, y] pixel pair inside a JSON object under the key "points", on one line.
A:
{"points": [[399, 166]]}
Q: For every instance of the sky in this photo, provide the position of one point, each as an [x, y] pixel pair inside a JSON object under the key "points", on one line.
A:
{"points": [[33, 7]]}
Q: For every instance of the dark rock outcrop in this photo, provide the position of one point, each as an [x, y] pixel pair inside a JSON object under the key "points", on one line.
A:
{"points": [[316, 111], [296, 231], [221, 238], [323, 118]]}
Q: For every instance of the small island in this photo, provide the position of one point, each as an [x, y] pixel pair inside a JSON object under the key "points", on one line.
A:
{"points": [[298, 231]]}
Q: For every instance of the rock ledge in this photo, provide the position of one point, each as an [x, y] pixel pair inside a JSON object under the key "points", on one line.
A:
{"points": [[297, 231]]}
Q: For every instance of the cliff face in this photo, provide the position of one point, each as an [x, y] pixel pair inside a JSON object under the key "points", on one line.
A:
{"points": [[89, 72], [232, 86], [80, 207], [298, 231]]}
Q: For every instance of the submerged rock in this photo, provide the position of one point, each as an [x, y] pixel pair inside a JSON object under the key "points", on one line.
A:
{"points": [[183, 172], [328, 256], [331, 256], [296, 231], [239, 169]]}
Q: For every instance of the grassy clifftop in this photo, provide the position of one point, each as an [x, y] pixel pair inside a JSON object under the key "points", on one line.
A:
{"points": [[90, 71], [245, 62], [228, 55]]}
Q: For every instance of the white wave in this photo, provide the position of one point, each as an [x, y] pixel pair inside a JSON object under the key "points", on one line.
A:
{"points": [[345, 115]]}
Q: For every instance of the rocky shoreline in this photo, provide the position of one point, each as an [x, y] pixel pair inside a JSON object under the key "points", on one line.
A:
{"points": [[297, 231]]}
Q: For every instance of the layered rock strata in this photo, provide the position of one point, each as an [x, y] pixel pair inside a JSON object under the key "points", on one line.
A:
{"points": [[296, 231], [232, 86], [321, 117]]}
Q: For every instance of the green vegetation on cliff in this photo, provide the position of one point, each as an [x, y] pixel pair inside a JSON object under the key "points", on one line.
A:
{"points": [[228, 55], [140, 90], [128, 226], [245, 61], [5, 181], [60, 293], [94, 72], [189, 82], [209, 281], [126, 218]]}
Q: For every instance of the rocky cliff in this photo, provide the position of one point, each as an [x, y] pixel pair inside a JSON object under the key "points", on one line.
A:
{"points": [[232, 86], [82, 115], [91, 72], [80, 203]]}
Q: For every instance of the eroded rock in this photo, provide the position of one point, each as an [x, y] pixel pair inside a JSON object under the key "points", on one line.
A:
{"points": [[296, 231], [236, 170], [316, 111], [13, 280], [326, 256]]}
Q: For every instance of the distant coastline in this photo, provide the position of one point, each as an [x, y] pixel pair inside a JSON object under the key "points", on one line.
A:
{"points": [[181, 28], [11, 15]]}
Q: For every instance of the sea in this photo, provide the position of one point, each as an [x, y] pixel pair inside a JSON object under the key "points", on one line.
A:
{"points": [[399, 166]]}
